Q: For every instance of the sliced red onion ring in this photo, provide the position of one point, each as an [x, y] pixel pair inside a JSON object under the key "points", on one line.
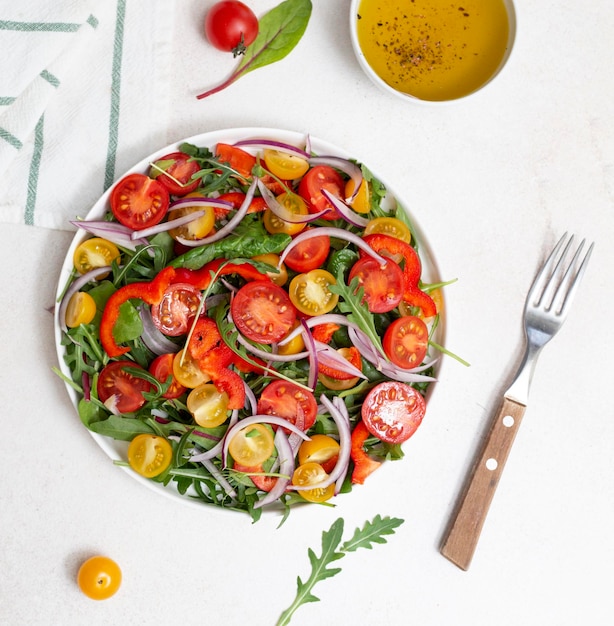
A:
{"points": [[74, 287], [215, 472], [111, 231], [263, 144], [346, 212], [258, 419], [270, 356], [156, 341], [312, 355], [345, 437], [215, 203], [286, 469], [282, 213], [331, 358], [164, 226], [229, 227], [331, 231], [217, 448], [345, 165], [327, 318]]}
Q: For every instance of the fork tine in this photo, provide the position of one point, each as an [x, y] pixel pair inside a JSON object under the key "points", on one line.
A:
{"points": [[536, 293], [569, 285]]}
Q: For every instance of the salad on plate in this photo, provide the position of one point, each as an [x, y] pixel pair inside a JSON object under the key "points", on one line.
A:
{"points": [[245, 320]]}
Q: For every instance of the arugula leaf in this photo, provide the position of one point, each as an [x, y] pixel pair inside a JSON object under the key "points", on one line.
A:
{"points": [[279, 31], [372, 532], [358, 313]]}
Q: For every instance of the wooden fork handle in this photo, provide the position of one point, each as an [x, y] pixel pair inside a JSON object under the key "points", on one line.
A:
{"points": [[466, 525]]}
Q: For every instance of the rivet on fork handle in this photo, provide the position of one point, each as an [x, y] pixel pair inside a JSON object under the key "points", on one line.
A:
{"points": [[464, 532]]}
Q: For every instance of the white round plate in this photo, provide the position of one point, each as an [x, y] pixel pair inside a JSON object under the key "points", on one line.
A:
{"points": [[116, 450]]}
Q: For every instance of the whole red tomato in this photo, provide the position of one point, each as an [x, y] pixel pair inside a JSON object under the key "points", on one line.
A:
{"points": [[231, 26]]}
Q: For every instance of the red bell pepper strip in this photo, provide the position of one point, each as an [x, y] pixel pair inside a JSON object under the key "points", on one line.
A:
{"points": [[149, 292], [364, 465], [214, 357], [201, 279], [412, 270], [324, 332]]}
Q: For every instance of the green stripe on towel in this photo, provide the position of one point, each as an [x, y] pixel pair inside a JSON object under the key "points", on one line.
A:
{"points": [[34, 172], [10, 139], [54, 27], [115, 94]]}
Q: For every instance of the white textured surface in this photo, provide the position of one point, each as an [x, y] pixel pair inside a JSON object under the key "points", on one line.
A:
{"points": [[494, 182]]}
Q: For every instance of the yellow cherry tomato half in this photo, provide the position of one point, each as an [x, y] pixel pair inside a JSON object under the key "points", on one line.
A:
{"points": [[197, 228], [252, 445], [362, 201], [99, 577], [391, 226], [149, 455], [295, 345], [310, 292], [81, 309], [93, 253], [312, 474], [187, 372], [319, 449], [208, 406], [283, 165], [295, 205], [279, 278]]}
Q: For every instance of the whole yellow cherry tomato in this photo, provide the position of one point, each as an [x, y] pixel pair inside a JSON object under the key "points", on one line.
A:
{"points": [[99, 577]]}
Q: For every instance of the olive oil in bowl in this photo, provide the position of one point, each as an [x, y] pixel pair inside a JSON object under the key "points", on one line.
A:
{"points": [[434, 50]]}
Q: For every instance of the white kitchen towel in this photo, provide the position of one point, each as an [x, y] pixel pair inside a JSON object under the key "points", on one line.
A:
{"points": [[84, 88]]}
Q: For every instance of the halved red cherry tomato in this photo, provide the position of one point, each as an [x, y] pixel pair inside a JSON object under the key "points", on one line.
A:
{"points": [[287, 400], [392, 411], [309, 254], [262, 311], [310, 292], [128, 389], [231, 26], [175, 172], [161, 368], [176, 309], [257, 475], [406, 341], [138, 201], [315, 180], [383, 284]]}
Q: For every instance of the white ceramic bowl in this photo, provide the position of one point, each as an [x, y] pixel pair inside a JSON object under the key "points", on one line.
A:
{"points": [[371, 73]]}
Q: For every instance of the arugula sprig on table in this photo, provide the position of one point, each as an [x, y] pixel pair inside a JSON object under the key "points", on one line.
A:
{"points": [[333, 550]]}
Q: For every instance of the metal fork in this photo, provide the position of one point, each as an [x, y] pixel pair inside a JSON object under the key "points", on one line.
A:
{"points": [[545, 310]]}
